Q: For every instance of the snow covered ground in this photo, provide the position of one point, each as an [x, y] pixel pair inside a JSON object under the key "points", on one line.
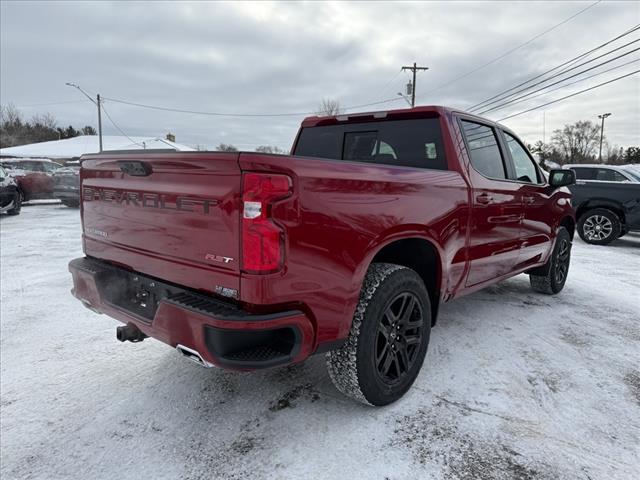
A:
{"points": [[515, 385]]}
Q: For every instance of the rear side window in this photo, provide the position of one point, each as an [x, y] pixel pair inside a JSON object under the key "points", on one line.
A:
{"points": [[483, 150], [410, 143], [585, 173], [32, 166]]}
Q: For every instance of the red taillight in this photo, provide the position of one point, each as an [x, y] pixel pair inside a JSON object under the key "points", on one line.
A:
{"points": [[262, 239]]}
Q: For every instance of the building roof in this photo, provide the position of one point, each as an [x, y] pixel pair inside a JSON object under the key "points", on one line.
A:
{"points": [[77, 146]]}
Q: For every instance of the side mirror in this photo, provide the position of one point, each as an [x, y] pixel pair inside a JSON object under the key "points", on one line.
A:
{"points": [[562, 178]]}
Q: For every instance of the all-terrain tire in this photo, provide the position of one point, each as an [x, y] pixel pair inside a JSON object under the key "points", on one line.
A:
{"points": [[17, 205], [599, 226], [557, 268], [392, 297]]}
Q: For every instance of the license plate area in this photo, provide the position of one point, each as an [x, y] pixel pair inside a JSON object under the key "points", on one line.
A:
{"points": [[136, 294]]}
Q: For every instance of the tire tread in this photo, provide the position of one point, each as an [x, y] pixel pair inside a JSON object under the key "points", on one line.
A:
{"points": [[342, 363]]}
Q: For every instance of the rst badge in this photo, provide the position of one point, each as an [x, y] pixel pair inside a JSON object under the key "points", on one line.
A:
{"points": [[218, 258]]}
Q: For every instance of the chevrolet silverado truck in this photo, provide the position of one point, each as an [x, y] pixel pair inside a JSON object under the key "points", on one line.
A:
{"points": [[607, 201], [347, 247]]}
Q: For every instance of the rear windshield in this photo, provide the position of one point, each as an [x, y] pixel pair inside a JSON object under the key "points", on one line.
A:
{"points": [[409, 143]]}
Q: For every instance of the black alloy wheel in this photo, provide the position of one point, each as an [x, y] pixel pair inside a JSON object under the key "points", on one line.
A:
{"points": [[389, 337], [399, 338], [562, 261]]}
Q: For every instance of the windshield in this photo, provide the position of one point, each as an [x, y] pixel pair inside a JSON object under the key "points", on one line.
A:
{"points": [[633, 174]]}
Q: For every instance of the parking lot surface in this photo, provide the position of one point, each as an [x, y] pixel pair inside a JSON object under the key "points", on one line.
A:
{"points": [[515, 385]]}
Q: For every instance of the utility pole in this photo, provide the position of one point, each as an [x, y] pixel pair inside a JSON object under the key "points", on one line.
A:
{"points": [[603, 116], [96, 102], [414, 69], [99, 122]]}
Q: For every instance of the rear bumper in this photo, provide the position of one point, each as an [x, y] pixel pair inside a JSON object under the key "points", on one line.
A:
{"points": [[222, 333]]}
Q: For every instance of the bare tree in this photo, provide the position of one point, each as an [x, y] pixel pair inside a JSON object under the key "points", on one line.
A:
{"points": [[329, 107], [223, 147], [45, 121], [10, 115], [270, 149], [12, 126], [577, 142], [614, 154], [14, 130]]}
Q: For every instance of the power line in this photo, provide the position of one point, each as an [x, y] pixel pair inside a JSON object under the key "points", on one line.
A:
{"points": [[582, 79], [562, 73], [225, 114], [453, 80], [118, 128], [386, 85], [587, 54], [569, 96], [631, 30], [517, 99]]}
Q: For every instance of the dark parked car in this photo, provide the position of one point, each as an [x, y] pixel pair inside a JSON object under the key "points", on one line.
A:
{"points": [[10, 197], [34, 176], [66, 184], [607, 201]]}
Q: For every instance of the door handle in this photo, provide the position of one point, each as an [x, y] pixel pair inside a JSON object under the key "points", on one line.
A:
{"points": [[484, 198], [528, 200]]}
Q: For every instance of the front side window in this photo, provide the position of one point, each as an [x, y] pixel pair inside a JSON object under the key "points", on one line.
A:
{"points": [[524, 165], [50, 167], [483, 150], [409, 143], [609, 175], [634, 175]]}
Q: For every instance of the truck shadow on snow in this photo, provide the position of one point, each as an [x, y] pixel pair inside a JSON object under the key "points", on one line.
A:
{"points": [[268, 406]]}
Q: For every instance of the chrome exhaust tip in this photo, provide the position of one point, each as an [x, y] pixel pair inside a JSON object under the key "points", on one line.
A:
{"points": [[193, 355]]}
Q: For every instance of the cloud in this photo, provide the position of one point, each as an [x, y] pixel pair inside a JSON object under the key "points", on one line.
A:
{"points": [[285, 57]]}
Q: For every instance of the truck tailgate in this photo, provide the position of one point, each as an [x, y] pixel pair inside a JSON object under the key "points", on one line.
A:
{"points": [[174, 216]]}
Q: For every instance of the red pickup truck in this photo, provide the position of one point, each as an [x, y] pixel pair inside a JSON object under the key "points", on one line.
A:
{"points": [[347, 246]]}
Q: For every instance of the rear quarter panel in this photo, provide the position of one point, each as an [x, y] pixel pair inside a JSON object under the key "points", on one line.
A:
{"points": [[340, 216]]}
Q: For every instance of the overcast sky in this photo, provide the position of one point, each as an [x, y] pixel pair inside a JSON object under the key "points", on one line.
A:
{"points": [[285, 57]]}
